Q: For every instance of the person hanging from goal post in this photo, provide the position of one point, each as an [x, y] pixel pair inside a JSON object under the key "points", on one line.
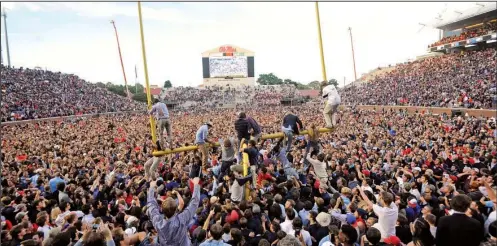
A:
{"points": [[163, 122], [332, 101]]}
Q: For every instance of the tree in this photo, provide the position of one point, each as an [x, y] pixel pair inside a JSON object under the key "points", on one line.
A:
{"points": [[100, 84], [269, 79], [140, 96], [315, 85], [167, 84], [333, 82]]}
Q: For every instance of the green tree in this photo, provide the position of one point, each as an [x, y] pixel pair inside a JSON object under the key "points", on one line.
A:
{"points": [[315, 85], [269, 79], [167, 84], [140, 96], [100, 84], [333, 82]]}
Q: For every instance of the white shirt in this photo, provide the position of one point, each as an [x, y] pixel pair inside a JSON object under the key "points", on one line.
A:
{"points": [[387, 218], [491, 218], [287, 226], [333, 96], [319, 167], [88, 219], [305, 234], [46, 230]]}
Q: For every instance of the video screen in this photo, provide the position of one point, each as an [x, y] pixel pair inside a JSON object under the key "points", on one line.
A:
{"points": [[228, 66]]}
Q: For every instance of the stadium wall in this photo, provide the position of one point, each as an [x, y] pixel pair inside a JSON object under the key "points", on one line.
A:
{"points": [[232, 81]]}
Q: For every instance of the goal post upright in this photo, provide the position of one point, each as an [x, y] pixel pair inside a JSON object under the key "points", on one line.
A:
{"points": [[145, 69]]}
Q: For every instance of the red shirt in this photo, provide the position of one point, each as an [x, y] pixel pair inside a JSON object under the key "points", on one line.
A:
{"points": [[262, 177]]}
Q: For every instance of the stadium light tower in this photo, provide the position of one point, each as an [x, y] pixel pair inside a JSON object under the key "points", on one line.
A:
{"points": [[4, 15], [353, 53], [121, 58]]}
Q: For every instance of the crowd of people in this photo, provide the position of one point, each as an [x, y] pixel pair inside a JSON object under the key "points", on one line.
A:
{"points": [[380, 178], [242, 96], [486, 28], [36, 93], [465, 79], [226, 66]]}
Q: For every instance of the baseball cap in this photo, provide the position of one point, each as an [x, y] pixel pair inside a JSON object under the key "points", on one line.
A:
{"points": [[351, 219], [19, 216], [413, 202]]}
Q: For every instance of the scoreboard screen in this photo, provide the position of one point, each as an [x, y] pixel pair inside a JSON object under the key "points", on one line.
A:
{"points": [[228, 66]]}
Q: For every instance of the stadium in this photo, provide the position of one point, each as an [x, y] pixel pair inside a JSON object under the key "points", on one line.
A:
{"points": [[404, 155], [228, 65]]}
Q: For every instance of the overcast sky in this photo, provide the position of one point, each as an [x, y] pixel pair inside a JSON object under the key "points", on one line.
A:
{"points": [[78, 37]]}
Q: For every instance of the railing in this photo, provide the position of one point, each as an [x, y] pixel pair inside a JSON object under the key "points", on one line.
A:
{"points": [[59, 118]]}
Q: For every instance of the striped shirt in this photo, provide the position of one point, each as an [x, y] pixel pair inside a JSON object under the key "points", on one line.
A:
{"points": [[172, 231]]}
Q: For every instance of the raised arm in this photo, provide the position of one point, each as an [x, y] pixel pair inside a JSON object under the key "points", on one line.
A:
{"points": [[181, 203], [365, 198], [187, 215], [153, 208]]}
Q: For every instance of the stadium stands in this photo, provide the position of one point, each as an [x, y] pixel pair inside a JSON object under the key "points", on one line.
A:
{"points": [[453, 80], [469, 33], [32, 94]]}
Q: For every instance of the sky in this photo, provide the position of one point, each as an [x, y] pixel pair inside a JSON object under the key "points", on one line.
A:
{"points": [[77, 37]]}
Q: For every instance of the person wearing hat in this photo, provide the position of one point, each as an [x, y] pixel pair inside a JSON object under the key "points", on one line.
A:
{"points": [[22, 217], [202, 140], [333, 100], [163, 122]]}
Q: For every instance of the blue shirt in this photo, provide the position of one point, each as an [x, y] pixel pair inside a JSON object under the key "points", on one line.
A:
{"points": [[172, 231], [53, 183], [213, 242], [160, 110], [202, 134], [303, 215]]}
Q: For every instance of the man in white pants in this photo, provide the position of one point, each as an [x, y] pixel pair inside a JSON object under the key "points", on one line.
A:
{"points": [[333, 100]]}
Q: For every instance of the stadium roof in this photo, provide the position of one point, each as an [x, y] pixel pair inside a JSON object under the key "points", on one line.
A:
{"points": [[457, 12]]}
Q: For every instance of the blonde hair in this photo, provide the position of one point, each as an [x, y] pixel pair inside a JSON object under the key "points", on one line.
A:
{"points": [[55, 213]]}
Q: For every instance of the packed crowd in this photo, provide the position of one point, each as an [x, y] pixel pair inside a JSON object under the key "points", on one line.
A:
{"points": [[380, 178], [213, 96], [455, 80], [35, 93], [486, 28], [235, 66]]}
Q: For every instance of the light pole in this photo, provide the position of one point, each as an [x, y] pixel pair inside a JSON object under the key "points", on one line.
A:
{"points": [[4, 14], [353, 53], [121, 58]]}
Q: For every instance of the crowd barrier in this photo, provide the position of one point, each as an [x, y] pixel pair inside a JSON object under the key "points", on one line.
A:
{"points": [[434, 110], [64, 118]]}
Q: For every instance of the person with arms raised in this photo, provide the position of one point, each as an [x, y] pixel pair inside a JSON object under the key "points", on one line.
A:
{"points": [[386, 211], [172, 230]]}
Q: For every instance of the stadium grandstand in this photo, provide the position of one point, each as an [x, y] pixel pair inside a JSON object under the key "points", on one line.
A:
{"points": [[410, 157], [459, 70]]}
